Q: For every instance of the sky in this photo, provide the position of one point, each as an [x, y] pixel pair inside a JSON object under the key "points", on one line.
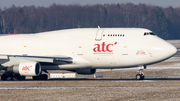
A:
{"points": [[46, 3]]}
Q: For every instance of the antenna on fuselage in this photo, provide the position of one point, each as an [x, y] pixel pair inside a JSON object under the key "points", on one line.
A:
{"points": [[99, 27]]}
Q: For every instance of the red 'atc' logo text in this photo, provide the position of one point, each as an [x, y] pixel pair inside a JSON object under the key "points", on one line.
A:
{"points": [[26, 68], [103, 48]]}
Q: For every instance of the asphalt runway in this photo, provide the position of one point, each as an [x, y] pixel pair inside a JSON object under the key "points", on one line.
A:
{"points": [[116, 85], [151, 89], [121, 85], [86, 79]]}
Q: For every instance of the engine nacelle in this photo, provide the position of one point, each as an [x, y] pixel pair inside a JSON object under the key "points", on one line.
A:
{"points": [[26, 69], [86, 71]]}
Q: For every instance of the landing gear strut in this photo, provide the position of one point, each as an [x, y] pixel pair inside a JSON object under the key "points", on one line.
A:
{"points": [[140, 76]]}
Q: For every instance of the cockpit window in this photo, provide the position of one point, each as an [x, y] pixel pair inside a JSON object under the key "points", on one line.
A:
{"points": [[152, 33], [149, 33]]}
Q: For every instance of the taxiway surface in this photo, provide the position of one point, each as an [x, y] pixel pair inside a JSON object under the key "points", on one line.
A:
{"points": [[91, 90]]}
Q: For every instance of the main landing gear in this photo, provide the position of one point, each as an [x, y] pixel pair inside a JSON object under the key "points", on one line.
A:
{"points": [[40, 77], [11, 76], [140, 76], [17, 77]]}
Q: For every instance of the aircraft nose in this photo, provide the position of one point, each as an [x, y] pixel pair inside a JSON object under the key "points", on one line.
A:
{"points": [[172, 50]]}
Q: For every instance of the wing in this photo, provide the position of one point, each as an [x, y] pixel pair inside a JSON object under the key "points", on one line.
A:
{"points": [[41, 59]]}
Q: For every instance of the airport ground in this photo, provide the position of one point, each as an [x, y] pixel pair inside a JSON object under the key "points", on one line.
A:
{"points": [[110, 89], [162, 82]]}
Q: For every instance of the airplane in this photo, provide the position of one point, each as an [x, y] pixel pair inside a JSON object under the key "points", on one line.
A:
{"points": [[80, 50]]}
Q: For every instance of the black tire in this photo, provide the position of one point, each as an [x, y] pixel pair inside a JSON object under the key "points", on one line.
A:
{"points": [[19, 77], [35, 77], [40, 77], [9, 78], [139, 77], [22, 77], [3, 77], [15, 78], [142, 77], [44, 76]]}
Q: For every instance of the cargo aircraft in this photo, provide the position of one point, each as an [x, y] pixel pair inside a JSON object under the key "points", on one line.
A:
{"points": [[81, 50]]}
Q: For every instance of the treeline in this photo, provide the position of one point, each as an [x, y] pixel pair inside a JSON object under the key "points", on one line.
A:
{"points": [[165, 22]]}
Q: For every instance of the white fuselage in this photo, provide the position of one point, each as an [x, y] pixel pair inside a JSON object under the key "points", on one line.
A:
{"points": [[96, 48]]}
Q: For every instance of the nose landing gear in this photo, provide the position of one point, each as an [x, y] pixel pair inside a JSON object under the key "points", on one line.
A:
{"points": [[140, 76]]}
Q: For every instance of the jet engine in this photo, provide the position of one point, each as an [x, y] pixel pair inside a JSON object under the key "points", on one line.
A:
{"points": [[86, 71], [26, 69]]}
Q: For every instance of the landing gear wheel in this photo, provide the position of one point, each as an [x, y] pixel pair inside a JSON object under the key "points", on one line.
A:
{"points": [[41, 77], [3, 77], [140, 77], [22, 78], [18, 77], [7, 76], [11, 77]]}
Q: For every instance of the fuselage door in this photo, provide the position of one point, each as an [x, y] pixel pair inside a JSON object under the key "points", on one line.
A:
{"points": [[99, 34]]}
